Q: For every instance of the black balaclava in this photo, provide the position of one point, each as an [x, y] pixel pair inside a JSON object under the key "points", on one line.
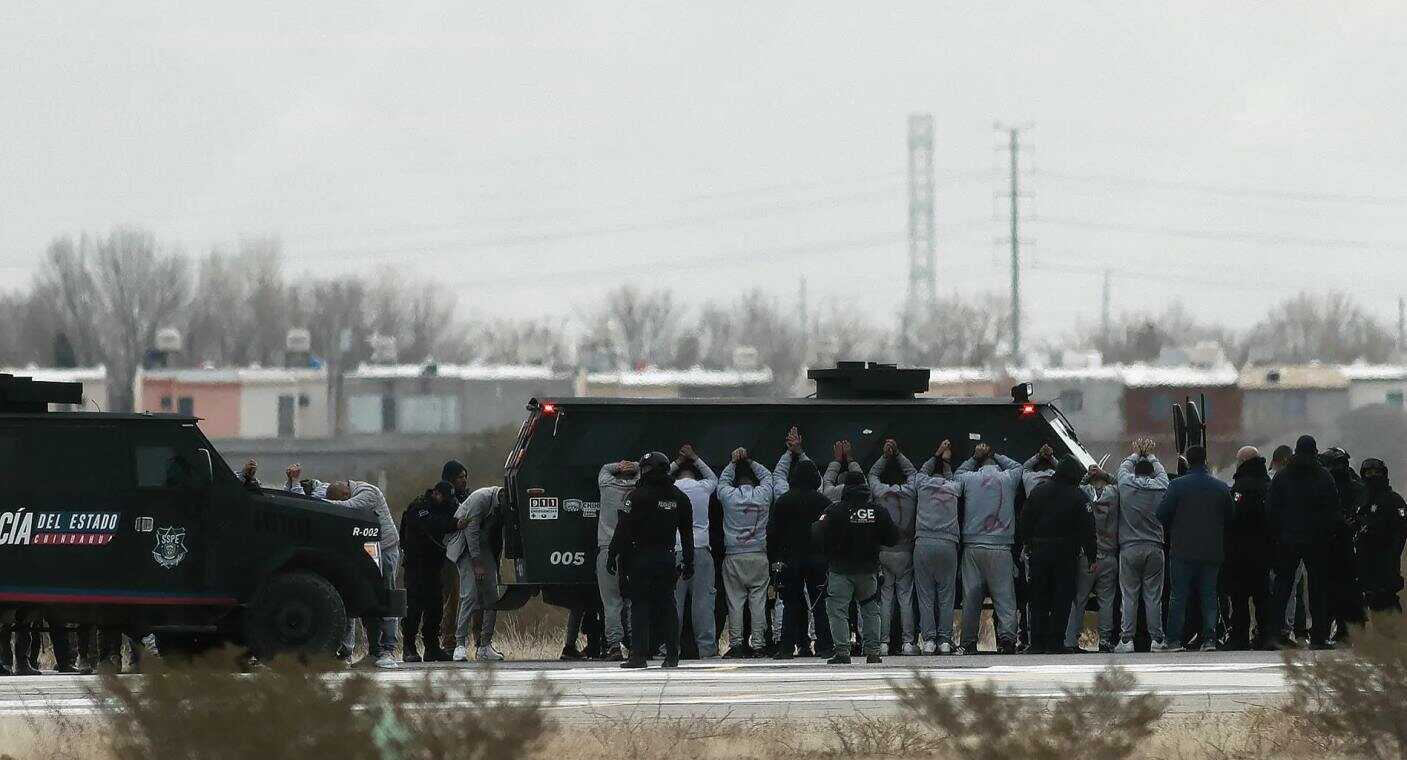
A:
{"points": [[1374, 474], [1070, 470], [453, 469], [804, 476]]}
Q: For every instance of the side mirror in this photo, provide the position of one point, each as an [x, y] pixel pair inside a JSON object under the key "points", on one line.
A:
{"points": [[204, 469]]}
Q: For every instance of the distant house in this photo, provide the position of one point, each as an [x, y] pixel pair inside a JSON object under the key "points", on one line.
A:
{"points": [[676, 383], [94, 380], [444, 399], [211, 394], [283, 403], [966, 382], [1370, 384], [1280, 402], [1150, 391]]}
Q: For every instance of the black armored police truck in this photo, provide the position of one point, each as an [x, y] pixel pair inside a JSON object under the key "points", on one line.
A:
{"points": [[551, 473], [133, 522]]}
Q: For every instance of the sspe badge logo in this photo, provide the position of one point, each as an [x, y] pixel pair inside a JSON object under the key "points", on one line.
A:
{"points": [[571, 505], [542, 508]]}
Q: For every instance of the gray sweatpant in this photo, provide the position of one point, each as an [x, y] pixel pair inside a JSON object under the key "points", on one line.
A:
{"points": [[476, 593], [613, 605], [745, 579], [1104, 580], [841, 590], [380, 632], [988, 570], [935, 583], [702, 588], [897, 587], [1141, 571]]}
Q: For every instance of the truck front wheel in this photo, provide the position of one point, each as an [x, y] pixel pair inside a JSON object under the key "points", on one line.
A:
{"points": [[295, 612]]}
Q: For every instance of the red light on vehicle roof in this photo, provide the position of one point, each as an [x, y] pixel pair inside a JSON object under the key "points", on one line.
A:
{"points": [[549, 408], [1028, 409]]}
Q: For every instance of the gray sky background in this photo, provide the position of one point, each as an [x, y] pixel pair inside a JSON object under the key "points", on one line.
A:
{"points": [[1227, 154]]}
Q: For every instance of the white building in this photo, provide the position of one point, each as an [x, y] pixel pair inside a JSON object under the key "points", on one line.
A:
{"points": [[1370, 384]]}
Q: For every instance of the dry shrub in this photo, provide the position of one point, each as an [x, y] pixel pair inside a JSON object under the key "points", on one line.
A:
{"points": [[1102, 721], [1355, 701], [862, 735], [653, 735], [207, 709]]}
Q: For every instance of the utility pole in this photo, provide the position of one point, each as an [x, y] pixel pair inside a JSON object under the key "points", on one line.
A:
{"points": [[1401, 325], [1104, 314], [805, 324], [1013, 147], [923, 285]]}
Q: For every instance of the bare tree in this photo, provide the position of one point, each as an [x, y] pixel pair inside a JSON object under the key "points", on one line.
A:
{"points": [[1328, 328], [957, 333], [753, 320], [844, 333], [514, 342], [1141, 336], [114, 293], [636, 328]]}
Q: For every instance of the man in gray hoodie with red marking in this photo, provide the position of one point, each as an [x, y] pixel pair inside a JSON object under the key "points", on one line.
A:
{"points": [[746, 491], [989, 482]]}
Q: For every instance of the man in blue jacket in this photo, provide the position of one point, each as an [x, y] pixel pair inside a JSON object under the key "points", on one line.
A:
{"points": [[1195, 511]]}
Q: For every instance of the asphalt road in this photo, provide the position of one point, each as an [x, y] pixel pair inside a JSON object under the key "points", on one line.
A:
{"points": [[800, 689]]}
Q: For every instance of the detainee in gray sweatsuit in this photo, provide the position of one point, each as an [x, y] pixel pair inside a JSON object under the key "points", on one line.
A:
{"points": [[380, 632], [747, 506], [471, 551], [936, 540], [989, 482], [696, 479], [1104, 507], [897, 496], [1142, 481], [616, 480]]}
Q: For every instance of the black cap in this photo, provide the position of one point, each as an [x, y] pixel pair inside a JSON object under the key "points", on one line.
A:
{"points": [[1306, 445], [652, 463], [452, 470]]}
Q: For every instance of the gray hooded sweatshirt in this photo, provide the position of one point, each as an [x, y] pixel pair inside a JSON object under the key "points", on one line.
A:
{"points": [[615, 486], [937, 508], [746, 508], [1104, 506], [990, 491], [369, 497], [899, 500], [473, 539], [1139, 498]]}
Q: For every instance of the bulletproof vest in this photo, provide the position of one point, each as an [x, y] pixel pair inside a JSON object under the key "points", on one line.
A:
{"points": [[655, 515]]}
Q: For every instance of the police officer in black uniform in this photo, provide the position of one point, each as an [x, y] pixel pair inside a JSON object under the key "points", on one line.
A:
{"points": [[1382, 531], [423, 529], [653, 515]]}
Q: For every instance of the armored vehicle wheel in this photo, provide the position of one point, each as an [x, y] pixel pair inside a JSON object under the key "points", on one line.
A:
{"points": [[295, 612]]}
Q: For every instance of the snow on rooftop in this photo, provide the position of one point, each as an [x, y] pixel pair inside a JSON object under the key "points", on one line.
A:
{"points": [[1363, 372], [1034, 374], [1148, 376], [697, 376], [59, 374], [952, 375], [458, 371]]}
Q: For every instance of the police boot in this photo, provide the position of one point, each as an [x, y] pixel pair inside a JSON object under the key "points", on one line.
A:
{"points": [[634, 663]]}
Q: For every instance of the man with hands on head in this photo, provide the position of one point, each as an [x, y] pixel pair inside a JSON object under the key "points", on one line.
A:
{"points": [[696, 480], [852, 533], [842, 463], [892, 485], [989, 482], [1056, 526], [1141, 482], [654, 518], [615, 480], [746, 491], [937, 536], [798, 560]]}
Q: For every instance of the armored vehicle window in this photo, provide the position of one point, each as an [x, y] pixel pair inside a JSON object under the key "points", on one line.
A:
{"points": [[163, 467]]}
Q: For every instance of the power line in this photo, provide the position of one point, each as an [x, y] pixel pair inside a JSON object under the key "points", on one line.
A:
{"points": [[1224, 190], [1230, 236]]}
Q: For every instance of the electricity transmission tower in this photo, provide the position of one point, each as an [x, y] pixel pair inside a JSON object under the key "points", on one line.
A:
{"points": [[923, 284]]}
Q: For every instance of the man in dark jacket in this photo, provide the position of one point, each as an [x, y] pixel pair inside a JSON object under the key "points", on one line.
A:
{"points": [[1195, 511], [1302, 507], [423, 528], [1246, 574], [1382, 531], [1055, 527], [655, 517], [1345, 593], [803, 563], [851, 534]]}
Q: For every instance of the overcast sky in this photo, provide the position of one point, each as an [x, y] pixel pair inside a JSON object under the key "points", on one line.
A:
{"points": [[1227, 154]]}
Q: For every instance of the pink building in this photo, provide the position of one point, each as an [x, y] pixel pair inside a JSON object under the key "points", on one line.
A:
{"points": [[211, 394]]}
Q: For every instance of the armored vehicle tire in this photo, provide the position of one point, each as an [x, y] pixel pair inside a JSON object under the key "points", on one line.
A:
{"points": [[187, 645], [295, 612]]}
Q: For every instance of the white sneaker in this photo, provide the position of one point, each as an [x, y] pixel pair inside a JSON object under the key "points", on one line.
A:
{"points": [[461, 654], [909, 649], [387, 662], [488, 654], [1159, 646], [945, 648], [1124, 647], [1210, 646], [928, 647], [884, 650]]}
